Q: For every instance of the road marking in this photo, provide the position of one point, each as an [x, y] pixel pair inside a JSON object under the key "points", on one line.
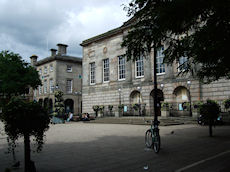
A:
{"points": [[202, 161]]}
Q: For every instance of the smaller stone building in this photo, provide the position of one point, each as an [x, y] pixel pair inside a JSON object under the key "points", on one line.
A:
{"points": [[59, 72]]}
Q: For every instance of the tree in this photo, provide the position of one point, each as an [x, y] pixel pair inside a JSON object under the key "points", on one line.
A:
{"points": [[210, 111], [16, 76], [59, 103], [198, 30], [21, 117]]}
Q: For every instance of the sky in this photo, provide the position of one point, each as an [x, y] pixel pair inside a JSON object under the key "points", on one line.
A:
{"points": [[33, 27]]}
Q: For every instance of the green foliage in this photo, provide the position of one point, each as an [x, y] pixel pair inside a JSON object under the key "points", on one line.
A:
{"points": [[199, 30], [136, 106], [197, 105], [227, 103], [121, 106], [96, 108], [59, 103], [16, 76], [210, 110], [110, 107], [165, 106], [186, 105], [101, 108], [20, 117]]}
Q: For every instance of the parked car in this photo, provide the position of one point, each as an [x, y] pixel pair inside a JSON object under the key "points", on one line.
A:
{"points": [[201, 120]]}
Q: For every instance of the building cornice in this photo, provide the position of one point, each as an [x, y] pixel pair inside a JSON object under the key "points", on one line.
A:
{"points": [[60, 58]]}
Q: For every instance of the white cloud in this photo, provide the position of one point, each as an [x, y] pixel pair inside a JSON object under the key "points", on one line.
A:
{"points": [[32, 27]]}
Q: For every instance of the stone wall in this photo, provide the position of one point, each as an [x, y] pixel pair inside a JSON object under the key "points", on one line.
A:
{"points": [[107, 93]]}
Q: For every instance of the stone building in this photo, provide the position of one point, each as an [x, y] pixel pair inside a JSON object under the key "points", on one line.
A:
{"points": [[59, 72], [109, 79]]}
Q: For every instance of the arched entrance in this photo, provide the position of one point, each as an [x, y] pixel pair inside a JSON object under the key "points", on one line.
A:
{"points": [[50, 106], [40, 101], [181, 101], [46, 103], [160, 98], [136, 103], [69, 105]]}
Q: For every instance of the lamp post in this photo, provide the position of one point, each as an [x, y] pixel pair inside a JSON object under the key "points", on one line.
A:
{"points": [[78, 93], [119, 90], [155, 122], [139, 89], [189, 96]]}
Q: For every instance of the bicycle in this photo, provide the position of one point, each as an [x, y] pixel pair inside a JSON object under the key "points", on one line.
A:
{"points": [[152, 137]]}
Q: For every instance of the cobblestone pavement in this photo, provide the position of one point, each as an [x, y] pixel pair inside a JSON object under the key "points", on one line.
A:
{"points": [[76, 147]]}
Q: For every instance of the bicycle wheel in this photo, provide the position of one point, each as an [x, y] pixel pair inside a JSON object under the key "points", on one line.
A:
{"points": [[157, 143], [148, 139]]}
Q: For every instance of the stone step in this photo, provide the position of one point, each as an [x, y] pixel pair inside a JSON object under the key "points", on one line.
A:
{"points": [[144, 120]]}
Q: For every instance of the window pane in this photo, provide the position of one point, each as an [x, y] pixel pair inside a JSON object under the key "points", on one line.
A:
{"points": [[92, 73], [159, 60], [69, 86], [121, 67], [139, 67], [106, 69]]}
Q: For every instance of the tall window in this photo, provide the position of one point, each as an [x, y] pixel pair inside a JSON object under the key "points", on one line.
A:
{"points": [[106, 69], [39, 89], [121, 67], [45, 70], [159, 59], [51, 86], [92, 73], [69, 68], [182, 65], [40, 71], [69, 85], [139, 67], [45, 86], [51, 68]]}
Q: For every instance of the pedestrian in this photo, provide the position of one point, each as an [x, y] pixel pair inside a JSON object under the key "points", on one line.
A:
{"points": [[70, 116]]}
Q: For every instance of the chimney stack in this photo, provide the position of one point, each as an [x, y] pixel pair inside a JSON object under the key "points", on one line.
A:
{"points": [[53, 52], [62, 49], [33, 60]]}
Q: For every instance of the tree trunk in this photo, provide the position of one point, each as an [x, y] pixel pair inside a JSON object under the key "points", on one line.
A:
{"points": [[210, 130], [27, 151]]}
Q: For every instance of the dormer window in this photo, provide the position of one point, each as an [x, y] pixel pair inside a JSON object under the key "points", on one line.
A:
{"points": [[69, 68]]}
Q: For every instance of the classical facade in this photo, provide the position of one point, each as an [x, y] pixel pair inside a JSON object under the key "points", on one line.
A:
{"points": [[109, 79], [59, 72]]}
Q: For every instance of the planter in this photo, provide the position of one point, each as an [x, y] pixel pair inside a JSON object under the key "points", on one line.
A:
{"points": [[195, 114], [100, 114], [165, 113]]}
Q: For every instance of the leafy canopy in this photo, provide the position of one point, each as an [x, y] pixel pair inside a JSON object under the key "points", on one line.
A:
{"points": [[16, 76], [197, 29], [21, 116]]}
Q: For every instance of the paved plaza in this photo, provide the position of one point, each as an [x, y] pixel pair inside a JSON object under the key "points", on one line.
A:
{"points": [[80, 147]]}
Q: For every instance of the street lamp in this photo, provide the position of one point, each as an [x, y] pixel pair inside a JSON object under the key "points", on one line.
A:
{"points": [[119, 90], [139, 89], [162, 86], [78, 93], [189, 96]]}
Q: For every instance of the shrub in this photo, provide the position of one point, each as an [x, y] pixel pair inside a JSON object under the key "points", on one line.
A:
{"points": [[136, 106], [96, 108], [210, 111], [227, 103], [120, 107], [110, 107], [101, 108], [165, 106]]}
